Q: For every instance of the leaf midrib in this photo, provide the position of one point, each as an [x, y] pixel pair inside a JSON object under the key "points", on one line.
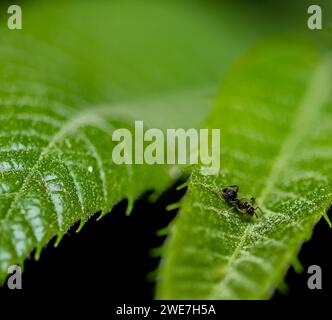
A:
{"points": [[316, 95], [69, 125], [88, 115]]}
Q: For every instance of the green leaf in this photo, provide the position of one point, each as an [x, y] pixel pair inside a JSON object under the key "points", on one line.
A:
{"points": [[76, 72], [56, 170], [275, 115]]}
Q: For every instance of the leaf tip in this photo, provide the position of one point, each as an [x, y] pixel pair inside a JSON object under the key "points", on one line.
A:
{"points": [[130, 206], [326, 215], [283, 288], [38, 252], [173, 206], [58, 240], [183, 185], [155, 196], [156, 252], [163, 232], [297, 266], [82, 224]]}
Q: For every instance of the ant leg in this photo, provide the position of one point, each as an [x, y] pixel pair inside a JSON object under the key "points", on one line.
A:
{"points": [[241, 212], [253, 200], [258, 208]]}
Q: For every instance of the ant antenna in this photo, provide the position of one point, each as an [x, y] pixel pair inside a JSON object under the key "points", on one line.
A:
{"points": [[236, 187]]}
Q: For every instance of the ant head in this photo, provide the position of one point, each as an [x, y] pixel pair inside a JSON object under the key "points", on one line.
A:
{"points": [[230, 193]]}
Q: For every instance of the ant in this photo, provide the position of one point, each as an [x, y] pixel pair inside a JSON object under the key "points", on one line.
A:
{"points": [[230, 195]]}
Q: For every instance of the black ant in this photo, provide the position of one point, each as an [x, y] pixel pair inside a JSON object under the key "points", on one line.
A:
{"points": [[230, 194]]}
